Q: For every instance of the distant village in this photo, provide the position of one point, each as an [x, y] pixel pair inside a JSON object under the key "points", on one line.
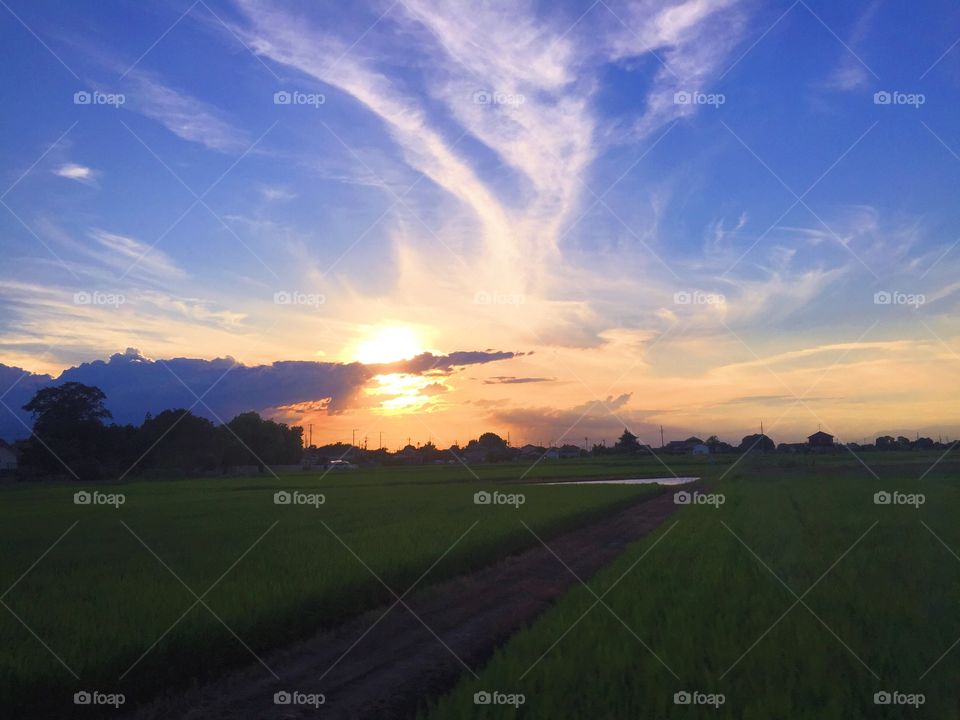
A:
{"points": [[492, 448]]}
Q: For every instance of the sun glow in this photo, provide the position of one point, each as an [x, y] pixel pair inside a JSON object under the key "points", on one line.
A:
{"points": [[403, 393], [388, 344]]}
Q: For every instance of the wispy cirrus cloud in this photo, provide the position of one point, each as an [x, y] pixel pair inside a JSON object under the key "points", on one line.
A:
{"points": [[692, 41], [185, 116], [122, 251], [521, 85], [851, 73]]}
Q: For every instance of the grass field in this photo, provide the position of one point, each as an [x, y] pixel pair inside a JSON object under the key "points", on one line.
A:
{"points": [[100, 598], [714, 598]]}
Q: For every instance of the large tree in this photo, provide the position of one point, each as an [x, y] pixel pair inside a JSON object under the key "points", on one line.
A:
{"points": [[492, 441], [756, 442], [627, 443], [178, 439], [68, 433], [252, 440]]}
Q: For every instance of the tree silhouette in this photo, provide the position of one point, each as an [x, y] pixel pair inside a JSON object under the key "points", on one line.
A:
{"points": [[68, 434], [627, 442]]}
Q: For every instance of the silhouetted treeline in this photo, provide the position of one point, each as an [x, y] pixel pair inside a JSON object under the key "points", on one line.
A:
{"points": [[71, 439]]}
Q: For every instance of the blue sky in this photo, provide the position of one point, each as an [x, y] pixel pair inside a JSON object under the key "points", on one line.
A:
{"points": [[537, 156]]}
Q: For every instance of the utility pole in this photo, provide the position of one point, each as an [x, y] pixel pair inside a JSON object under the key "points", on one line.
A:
{"points": [[661, 436], [353, 440], [364, 442], [380, 446], [586, 443], [311, 434]]}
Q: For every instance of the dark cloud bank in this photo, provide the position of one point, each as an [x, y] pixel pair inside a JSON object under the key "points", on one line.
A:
{"points": [[136, 385]]}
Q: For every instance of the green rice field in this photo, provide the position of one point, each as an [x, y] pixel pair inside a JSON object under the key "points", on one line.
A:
{"points": [[105, 597], [797, 597]]}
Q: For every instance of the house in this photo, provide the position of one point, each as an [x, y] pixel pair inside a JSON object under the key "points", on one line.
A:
{"points": [[686, 447], [409, 455], [569, 451], [530, 452], [8, 458], [552, 454], [820, 441], [474, 455]]}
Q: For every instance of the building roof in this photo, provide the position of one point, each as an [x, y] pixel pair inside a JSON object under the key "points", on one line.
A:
{"points": [[820, 435]]}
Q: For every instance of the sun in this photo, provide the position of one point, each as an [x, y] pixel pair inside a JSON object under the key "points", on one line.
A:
{"points": [[388, 344]]}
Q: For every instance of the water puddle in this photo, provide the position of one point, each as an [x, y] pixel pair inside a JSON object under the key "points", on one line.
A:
{"points": [[629, 481]]}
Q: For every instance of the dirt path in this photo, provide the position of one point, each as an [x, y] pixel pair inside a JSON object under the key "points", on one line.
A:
{"points": [[391, 668]]}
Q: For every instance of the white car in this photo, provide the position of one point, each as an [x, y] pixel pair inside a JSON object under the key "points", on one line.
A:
{"points": [[342, 465]]}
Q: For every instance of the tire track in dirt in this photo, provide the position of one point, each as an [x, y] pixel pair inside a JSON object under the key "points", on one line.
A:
{"points": [[390, 670]]}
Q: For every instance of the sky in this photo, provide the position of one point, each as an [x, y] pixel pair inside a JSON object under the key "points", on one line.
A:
{"points": [[425, 219]]}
